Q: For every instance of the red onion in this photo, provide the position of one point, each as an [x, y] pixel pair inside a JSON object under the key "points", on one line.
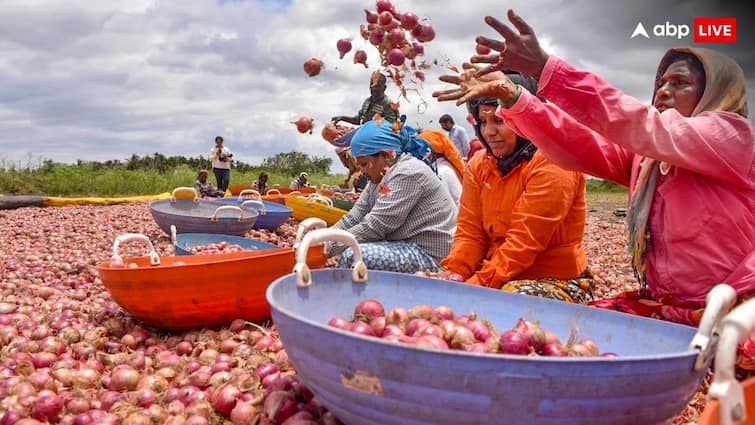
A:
{"points": [[145, 397], [443, 312], [362, 328], [340, 323], [409, 21], [312, 67], [371, 16], [421, 311], [415, 325], [344, 46], [124, 378], [47, 407], [591, 346], [184, 347], [391, 330], [224, 398], [397, 316], [480, 330], [514, 342], [360, 56], [243, 414], [554, 349], [368, 309], [279, 406], [266, 369], [384, 6], [609, 354], [196, 420], [395, 57], [378, 324], [431, 341]]}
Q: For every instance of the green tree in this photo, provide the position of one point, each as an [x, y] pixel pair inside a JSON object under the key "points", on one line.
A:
{"points": [[295, 162]]}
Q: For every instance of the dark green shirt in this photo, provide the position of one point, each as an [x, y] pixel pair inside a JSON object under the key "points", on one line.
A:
{"points": [[382, 107]]}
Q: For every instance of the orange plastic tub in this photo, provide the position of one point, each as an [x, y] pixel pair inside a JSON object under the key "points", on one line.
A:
{"points": [[201, 290], [711, 414]]}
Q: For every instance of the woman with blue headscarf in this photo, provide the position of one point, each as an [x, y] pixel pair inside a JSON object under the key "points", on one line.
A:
{"points": [[405, 219]]}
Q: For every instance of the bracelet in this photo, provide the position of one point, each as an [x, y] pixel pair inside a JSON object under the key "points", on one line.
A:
{"points": [[512, 100]]}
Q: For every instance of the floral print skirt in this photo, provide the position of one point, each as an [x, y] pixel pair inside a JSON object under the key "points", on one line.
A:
{"points": [[398, 256]]}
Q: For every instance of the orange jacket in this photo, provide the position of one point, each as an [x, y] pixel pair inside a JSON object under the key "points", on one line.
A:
{"points": [[528, 225]]}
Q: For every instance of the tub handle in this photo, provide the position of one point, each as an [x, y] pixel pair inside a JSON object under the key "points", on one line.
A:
{"points": [[173, 236], [262, 210], [273, 192], [255, 194], [182, 190], [295, 193], [301, 269], [227, 208], [719, 301], [306, 225], [317, 198], [154, 259], [736, 327]]}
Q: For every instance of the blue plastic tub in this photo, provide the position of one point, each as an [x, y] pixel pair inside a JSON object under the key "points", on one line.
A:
{"points": [[272, 216], [368, 381], [185, 241]]}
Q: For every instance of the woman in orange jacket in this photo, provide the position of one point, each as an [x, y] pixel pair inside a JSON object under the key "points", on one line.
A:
{"points": [[521, 218]]}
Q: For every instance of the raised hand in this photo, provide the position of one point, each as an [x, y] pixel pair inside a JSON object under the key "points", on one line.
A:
{"points": [[518, 51], [472, 83]]}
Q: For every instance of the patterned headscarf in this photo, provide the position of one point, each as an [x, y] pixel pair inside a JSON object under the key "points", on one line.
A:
{"points": [[725, 86]]}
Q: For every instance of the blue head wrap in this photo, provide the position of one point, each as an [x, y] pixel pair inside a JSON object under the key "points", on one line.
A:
{"points": [[371, 138]]}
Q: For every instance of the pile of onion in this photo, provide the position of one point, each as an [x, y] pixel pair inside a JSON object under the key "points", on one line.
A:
{"points": [[441, 328]]}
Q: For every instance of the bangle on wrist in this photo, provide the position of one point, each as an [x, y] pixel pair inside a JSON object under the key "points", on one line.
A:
{"points": [[512, 100]]}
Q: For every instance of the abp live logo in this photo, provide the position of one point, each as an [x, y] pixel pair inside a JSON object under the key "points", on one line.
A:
{"points": [[706, 30]]}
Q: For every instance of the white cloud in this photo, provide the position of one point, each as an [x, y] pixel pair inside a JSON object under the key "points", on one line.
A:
{"points": [[99, 80]]}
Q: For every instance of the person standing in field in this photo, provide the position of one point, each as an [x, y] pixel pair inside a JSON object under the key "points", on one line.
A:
{"points": [[221, 157], [457, 135]]}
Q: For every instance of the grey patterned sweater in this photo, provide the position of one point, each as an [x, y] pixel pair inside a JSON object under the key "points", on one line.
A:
{"points": [[409, 204]]}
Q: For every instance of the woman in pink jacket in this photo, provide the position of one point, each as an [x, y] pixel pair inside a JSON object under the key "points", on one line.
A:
{"points": [[688, 161]]}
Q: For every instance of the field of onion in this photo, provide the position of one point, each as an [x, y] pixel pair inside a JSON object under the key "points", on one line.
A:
{"points": [[70, 355]]}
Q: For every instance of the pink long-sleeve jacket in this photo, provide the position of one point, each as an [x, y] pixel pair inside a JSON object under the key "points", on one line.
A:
{"points": [[702, 219]]}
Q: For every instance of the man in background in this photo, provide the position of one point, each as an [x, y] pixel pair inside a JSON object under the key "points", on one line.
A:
{"points": [[457, 135]]}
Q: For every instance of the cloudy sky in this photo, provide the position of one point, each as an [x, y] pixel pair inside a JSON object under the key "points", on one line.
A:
{"points": [[105, 79]]}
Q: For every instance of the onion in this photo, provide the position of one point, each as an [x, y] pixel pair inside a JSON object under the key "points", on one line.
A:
{"points": [[378, 324], [384, 6], [360, 56], [397, 316], [422, 311], [266, 369], [371, 16], [431, 341], [480, 330], [409, 21], [424, 32], [184, 348], [415, 325], [609, 354], [145, 397], [461, 337], [418, 48], [243, 414], [124, 378], [579, 350], [367, 310], [224, 398], [196, 420], [362, 328], [344, 46], [279, 406], [591, 346], [304, 124], [340, 323], [391, 330], [47, 407], [396, 57], [554, 349], [312, 67], [514, 342]]}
